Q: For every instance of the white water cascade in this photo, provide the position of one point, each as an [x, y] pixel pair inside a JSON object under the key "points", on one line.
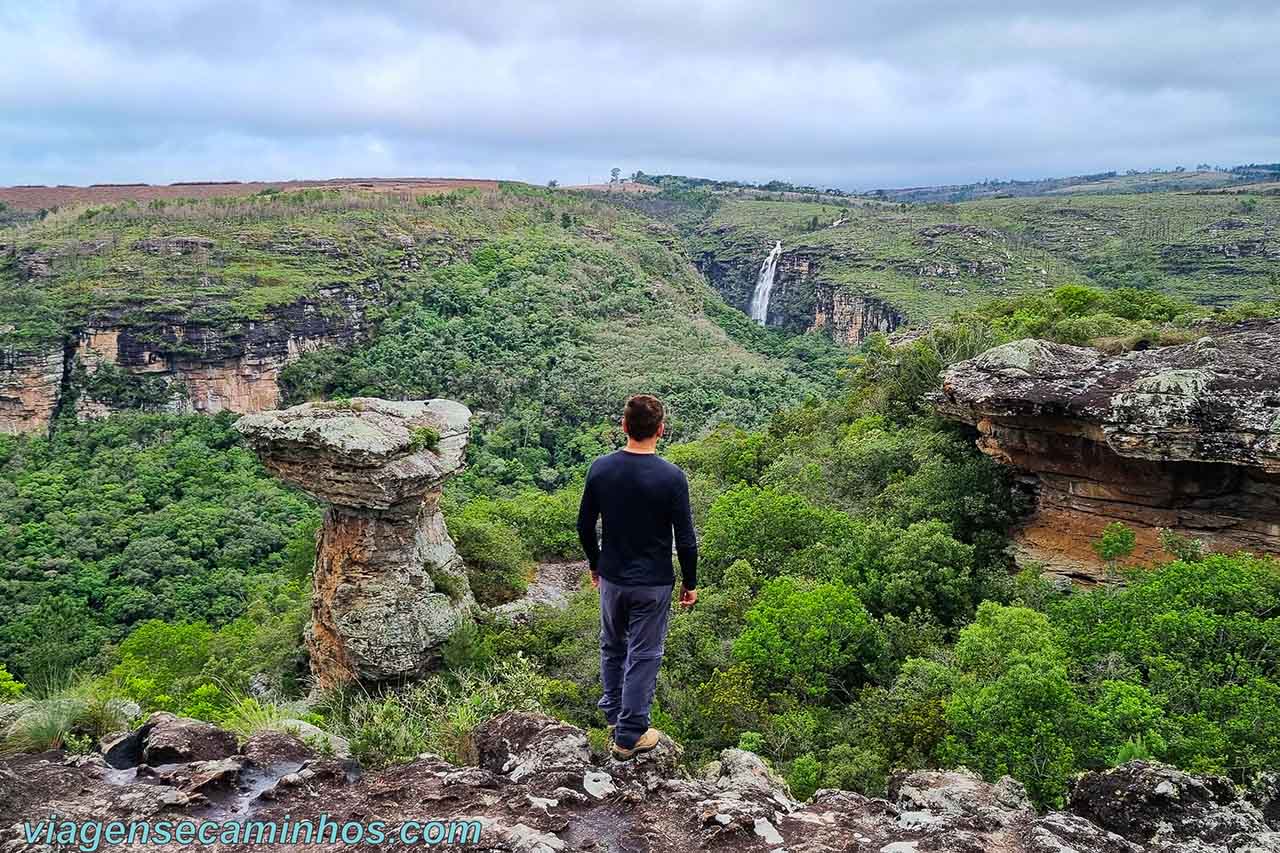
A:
{"points": [[764, 286]]}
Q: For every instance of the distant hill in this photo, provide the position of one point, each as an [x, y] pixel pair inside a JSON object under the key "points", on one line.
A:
{"points": [[1132, 181], [893, 263], [34, 197], [1203, 177]]}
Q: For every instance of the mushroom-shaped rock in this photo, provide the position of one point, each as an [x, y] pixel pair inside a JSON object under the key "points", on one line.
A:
{"points": [[389, 586]]}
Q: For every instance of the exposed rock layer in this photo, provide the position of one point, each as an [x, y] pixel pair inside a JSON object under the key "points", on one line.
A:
{"points": [[389, 587], [802, 300], [535, 787], [1185, 438], [210, 366]]}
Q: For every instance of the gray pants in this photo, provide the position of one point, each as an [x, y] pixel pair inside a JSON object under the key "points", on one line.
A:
{"points": [[633, 632]]}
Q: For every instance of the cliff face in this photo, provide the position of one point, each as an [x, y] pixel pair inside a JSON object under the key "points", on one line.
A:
{"points": [[534, 787], [31, 384], [1184, 438], [202, 366], [801, 299], [388, 587]]}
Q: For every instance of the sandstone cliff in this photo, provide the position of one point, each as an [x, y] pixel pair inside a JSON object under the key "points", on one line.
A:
{"points": [[1185, 438], [534, 787], [802, 299], [191, 364], [388, 587]]}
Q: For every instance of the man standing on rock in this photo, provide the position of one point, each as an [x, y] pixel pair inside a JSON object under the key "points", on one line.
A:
{"points": [[642, 499]]}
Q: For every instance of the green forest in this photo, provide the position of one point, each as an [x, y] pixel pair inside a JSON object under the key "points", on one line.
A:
{"points": [[859, 611]]}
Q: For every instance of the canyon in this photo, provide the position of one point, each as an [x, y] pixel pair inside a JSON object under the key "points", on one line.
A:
{"points": [[1180, 438]]}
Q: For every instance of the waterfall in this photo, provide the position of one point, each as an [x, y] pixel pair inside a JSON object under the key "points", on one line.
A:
{"points": [[764, 286]]}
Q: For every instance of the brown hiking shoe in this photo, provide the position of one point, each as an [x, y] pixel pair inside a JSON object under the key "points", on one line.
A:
{"points": [[647, 741]]}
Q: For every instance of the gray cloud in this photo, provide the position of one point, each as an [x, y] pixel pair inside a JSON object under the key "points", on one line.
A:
{"points": [[835, 93]]}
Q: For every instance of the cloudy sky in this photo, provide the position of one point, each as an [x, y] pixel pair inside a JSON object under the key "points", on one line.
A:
{"points": [[849, 93]]}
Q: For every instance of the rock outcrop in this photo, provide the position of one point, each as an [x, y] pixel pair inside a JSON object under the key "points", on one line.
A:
{"points": [[389, 587], [196, 365], [1184, 438], [534, 787], [851, 318]]}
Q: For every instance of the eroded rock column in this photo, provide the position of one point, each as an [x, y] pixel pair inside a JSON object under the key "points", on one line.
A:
{"points": [[388, 587]]}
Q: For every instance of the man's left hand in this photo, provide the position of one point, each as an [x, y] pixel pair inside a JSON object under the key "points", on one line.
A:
{"points": [[688, 597], [595, 581]]}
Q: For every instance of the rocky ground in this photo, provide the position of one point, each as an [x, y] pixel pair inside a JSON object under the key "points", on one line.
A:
{"points": [[552, 585], [533, 785]]}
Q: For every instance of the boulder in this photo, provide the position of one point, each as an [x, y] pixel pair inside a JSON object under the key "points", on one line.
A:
{"points": [[740, 770], [167, 739], [10, 713], [318, 738], [518, 744], [1184, 438], [1265, 794], [270, 748], [1147, 802], [388, 587]]}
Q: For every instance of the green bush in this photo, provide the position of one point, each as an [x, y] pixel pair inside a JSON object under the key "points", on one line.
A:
{"points": [[1192, 654], [804, 777], [425, 438], [10, 688], [1014, 710], [765, 527], [435, 715], [814, 640], [81, 713], [498, 566], [1116, 542]]}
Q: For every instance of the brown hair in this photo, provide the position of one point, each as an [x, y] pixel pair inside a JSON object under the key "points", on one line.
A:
{"points": [[643, 415]]}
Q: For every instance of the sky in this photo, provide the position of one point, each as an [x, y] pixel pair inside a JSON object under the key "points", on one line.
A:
{"points": [[856, 94]]}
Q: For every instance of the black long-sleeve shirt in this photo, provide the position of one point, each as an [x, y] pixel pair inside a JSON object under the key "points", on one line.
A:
{"points": [[642, 499]]}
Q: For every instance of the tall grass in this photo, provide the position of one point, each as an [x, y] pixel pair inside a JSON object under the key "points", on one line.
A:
{"points": [[77, 714], [435, 715]]}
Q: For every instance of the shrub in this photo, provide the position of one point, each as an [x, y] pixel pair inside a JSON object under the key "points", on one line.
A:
{"points": [[804, 776], [498, 567], [86, 710], [43, 725], [434, 715], [10, 688], [247, 716], [1014, 710], [425, 438], [1116, 542], [1185, 655], [765, 527], [813, 640]]}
